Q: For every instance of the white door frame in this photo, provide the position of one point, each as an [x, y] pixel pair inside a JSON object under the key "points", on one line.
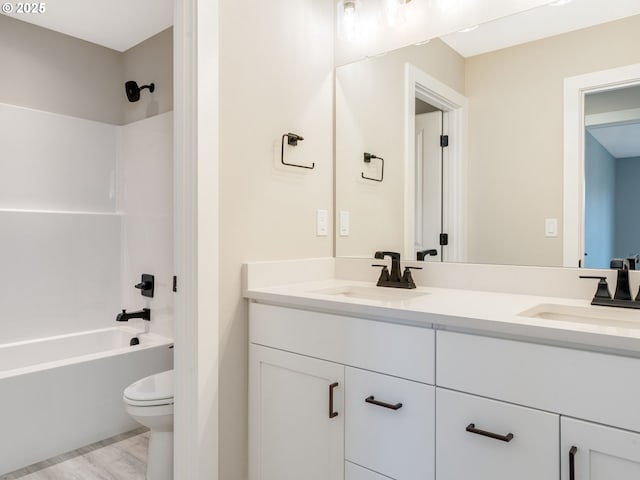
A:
{"points": [[575, 89], [420, 85], [196, 321]]}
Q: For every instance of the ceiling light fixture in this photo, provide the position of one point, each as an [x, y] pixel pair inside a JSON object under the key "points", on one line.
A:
{"points": [[348, 12], [559, 3]]}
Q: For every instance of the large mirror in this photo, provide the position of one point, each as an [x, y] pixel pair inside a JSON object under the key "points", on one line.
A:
{"points": [[512, 185]]}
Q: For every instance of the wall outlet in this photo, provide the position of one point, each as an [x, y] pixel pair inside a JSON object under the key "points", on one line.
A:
{"points": [[344, 223], [322, 223]]}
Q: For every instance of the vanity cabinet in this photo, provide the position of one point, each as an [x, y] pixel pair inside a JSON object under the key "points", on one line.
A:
{"points": [[597, 452], [306, 367], [334, 397]]}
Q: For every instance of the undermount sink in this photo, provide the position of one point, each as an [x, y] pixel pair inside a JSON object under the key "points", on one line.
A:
{"points": [[371, 293], [615, 317]]}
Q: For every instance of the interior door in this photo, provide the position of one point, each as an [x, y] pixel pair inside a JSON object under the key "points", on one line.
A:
{"points": [[429, 184]]}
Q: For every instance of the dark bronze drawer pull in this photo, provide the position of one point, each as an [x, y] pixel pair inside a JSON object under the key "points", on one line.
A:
{"points": [[504, 438], [332, 414], [572, 462], [373, 401]]}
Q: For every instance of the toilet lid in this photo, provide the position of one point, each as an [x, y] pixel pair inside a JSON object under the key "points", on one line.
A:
{"points": [[154, 389]]}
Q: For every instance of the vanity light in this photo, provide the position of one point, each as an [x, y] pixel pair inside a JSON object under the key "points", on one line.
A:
{"points": [[395, 12], [349, 12]]}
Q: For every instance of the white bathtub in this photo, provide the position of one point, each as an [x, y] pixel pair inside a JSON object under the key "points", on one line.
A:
{"points": [[61, 393]]}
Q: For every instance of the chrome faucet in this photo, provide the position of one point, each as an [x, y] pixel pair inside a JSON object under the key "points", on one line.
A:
{"points": [[394, 278], [144, 314]]}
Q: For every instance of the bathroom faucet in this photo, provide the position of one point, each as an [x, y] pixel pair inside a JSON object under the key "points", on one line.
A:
{"points": [[622, 296], [144, 314], [394, 278]]}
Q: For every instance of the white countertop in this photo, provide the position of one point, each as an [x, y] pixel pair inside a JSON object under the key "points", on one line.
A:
{"points": [[498, 314]]}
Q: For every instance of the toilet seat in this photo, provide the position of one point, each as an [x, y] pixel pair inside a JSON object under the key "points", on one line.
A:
{"points": [[151, 391]]}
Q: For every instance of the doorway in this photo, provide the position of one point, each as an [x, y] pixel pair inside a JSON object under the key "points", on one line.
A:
{"points": [[450, 112], [576, 89], [428, 183]]}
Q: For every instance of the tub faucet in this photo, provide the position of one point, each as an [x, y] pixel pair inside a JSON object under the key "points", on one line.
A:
{"points": [[144, 314]]}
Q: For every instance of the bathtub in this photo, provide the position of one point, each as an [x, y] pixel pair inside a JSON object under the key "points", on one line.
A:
{"points": [[61, 393]]}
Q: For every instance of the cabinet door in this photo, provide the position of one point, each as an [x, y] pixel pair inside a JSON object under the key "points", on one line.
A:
{"points": [[483, 439], [296, 417], [596, 452]]}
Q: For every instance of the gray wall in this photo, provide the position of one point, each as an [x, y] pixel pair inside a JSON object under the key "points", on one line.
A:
{"points": [[46, 70], [149, 61]]}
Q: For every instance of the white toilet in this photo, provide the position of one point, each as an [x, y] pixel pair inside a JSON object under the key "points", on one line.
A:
{"points": [[149, 401]]}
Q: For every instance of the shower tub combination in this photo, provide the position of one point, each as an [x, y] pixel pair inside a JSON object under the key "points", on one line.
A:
{"points": [[60, 393]]}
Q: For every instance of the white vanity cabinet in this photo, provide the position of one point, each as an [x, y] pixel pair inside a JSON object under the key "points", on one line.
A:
{"points": [[335, 397], [596, 452], [558, 383], [377, 377]]}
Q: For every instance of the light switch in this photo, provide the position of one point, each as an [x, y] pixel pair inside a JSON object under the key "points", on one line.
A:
{"points": [[550, 227], [344, 223], [322, 223]]}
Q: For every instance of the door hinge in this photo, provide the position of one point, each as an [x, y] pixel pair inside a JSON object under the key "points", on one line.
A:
{"points": [[444, 239], [175, 284], [444, 141]]}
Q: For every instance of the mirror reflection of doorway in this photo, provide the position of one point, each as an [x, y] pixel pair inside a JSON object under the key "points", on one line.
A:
{"points": [[429, 182], [612, 175]]}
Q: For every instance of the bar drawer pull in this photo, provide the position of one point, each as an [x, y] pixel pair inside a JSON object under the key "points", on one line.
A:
{"points": [[572, 462], [373, 401], [504, 438], [332, 414]]}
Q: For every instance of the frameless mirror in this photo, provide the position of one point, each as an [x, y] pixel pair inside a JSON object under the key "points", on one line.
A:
{"points": [[467, 136]]}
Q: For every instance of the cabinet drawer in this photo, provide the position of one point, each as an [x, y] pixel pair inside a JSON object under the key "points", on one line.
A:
{"points": [[356, 472], [587, 385], [399, 350], [395, 437], [531, 453]]}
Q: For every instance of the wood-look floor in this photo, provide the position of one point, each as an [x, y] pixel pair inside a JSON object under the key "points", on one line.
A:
{"points": [[123, 457]]}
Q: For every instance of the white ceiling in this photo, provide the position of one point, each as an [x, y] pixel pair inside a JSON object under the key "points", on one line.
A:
{"points": [[115, 24], [538, 23]]}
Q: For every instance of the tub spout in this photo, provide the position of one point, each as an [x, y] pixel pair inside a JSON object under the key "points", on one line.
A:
{"points": [[125, 316]]}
